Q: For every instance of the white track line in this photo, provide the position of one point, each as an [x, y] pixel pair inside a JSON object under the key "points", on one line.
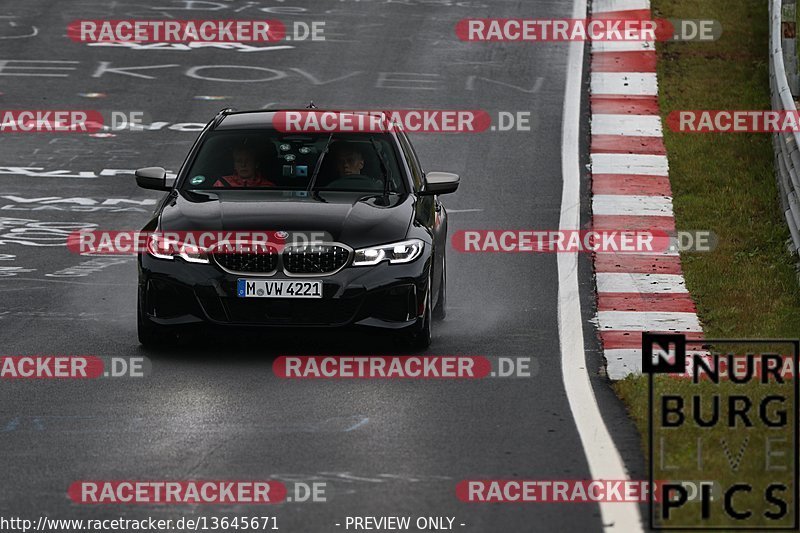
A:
{"points": [[602, 455], [629, 125]]}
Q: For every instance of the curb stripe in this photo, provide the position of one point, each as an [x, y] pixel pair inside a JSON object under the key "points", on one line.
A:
{"points": [[629, 205], [631, 190], [630, 184], [622, 105], [660, 253], [625, 144], [623, 14], [678, 303], [644, 223], [647, 320], [639, 61], [637, 283], [637, 264], [614, 340], [629, 360], [627, 125], [622, 83], [623, 46], [651, 165], [604, 6]]}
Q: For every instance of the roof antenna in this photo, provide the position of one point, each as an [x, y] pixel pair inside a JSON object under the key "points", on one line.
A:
{"points": [[311, 105]]}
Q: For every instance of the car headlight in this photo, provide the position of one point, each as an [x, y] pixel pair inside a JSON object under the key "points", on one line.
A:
{"points": [[397, 252], [161, 247]]}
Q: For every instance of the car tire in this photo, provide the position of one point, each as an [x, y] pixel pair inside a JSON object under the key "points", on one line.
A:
{"points": [[440, 311], [152, 335], [421, 333]]}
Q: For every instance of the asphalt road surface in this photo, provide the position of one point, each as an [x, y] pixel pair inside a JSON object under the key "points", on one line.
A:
{"points": [[213, 409]]}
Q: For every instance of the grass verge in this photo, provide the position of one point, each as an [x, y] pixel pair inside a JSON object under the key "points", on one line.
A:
{"points": [[746, 287]]}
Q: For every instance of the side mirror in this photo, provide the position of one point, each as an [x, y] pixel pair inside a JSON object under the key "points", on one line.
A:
{"points": [[154, 178], [440, 183]]}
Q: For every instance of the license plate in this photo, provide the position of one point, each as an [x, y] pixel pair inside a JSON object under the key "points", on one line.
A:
{"points": [[279, 288]]}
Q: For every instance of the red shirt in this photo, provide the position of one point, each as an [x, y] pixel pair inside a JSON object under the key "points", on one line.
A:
{"points": [[235, 181]]}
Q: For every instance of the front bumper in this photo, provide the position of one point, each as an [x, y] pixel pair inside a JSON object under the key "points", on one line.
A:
{"points": [[174, 292]]}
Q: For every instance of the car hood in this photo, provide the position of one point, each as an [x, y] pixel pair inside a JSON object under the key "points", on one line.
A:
{"points": [[355, 219]]}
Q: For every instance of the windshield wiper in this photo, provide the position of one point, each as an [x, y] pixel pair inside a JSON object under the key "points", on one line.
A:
{"points": [[387, 176], [319, 164]]}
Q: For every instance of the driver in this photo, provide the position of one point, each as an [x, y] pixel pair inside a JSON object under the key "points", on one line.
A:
{"points": [[349, 161], [246, 168]]}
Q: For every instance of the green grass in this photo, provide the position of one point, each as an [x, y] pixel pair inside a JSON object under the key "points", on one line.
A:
{"points": [[726, 182], [746, 287]]}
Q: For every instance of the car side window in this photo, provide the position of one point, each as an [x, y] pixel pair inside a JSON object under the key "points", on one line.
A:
{"points": [[416, 170]]}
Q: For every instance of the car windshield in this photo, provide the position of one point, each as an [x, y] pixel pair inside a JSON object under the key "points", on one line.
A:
{"points": [[268, 159]]}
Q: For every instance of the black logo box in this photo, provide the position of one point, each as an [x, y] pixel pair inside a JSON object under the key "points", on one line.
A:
{"points": [[678, 341]]}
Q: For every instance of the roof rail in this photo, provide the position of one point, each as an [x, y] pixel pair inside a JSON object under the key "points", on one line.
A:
{"points": [[222, 113]]}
